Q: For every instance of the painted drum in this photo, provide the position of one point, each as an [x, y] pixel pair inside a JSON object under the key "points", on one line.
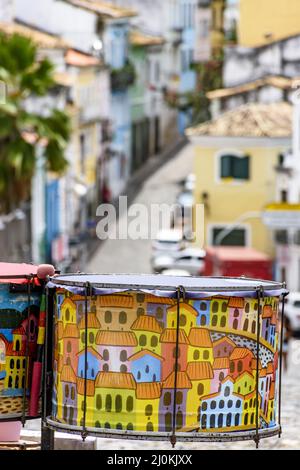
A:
{"points": [[22, 326], [165, 357]]}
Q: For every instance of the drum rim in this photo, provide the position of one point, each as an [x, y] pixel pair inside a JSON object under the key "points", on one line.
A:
{"points": [[165, 436], [60, 280]]}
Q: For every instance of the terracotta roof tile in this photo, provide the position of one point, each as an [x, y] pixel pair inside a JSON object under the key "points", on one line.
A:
{"points": [[41, 39], [93, 322], [200, 337], [183, 381], [267, 311], [221, 363], [184, 307], [143, 353], [139, 38], [80, 59], [101, 8], [226, 340], [241, 353], [270, 368], [169, 336], [236, 302], [71, 331], [263, 372], [67, 374], [148, 390], [115, 380], [155, 299], [116, 338], [201, 370], [146, 323], [90, 387], [253, 364], [115, 300]]}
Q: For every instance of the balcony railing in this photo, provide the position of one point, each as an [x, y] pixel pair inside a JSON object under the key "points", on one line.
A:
{"points": [[122, 78]]}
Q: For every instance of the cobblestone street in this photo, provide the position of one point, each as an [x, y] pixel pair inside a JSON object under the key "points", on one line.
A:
{"points": [[133, 256]]}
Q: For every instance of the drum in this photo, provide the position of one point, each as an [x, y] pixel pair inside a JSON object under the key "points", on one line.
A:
{"points": [[22, 327], [166, 357]]}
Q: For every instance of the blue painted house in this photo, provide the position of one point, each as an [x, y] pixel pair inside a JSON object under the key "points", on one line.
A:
{"points": [[146, 366], [203, 308], [93, 363]]}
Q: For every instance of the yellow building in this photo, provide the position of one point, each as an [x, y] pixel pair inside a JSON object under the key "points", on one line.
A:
{"points": [[200, 375], [277, 19], [200, 347], [114, 401], [219, 312], [187, 317], [90, 400], [249, 409], [244, 383], [68, 311], [235, 157], [147, 331], [147, 406], [93, 326], [116, 312], [217, 27]]}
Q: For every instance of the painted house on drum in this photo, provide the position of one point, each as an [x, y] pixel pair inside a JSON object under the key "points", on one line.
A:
{"points": [[131, 362]]}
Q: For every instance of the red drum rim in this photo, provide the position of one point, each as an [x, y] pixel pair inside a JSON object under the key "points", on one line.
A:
{"points": [[162, 282], [165, 436]]}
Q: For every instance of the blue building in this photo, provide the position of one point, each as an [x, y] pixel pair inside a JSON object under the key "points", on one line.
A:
{"points": [[93, 363], [146, 366], [203, 309]]}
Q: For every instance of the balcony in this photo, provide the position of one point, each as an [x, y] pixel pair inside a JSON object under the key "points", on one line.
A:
{"points": [[176, 36], [122, 78]]}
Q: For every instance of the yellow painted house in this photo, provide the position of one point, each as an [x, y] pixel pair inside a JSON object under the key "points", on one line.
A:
{"points": [[200, 374], [90, 393], [187, 317], [93, 326], [235, 157], [200, 346], [244, 383], [147, 406], [68, 312], [147, 331], [277, 19]]}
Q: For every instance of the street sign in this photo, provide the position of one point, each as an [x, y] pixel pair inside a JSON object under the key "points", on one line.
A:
{"points": [[281, 215]]}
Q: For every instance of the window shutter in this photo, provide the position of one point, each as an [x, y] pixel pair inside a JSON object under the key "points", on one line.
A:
{"points": [[241, 168], [226, 165]]}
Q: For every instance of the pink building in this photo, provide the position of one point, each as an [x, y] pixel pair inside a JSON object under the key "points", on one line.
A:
{"points": [[236, 309], [220, 370]]}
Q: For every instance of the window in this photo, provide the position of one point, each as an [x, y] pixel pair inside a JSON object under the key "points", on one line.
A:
{"points": [[150, 427], [17, 345], [204, 421], [129, 404], [140, 298], [73, 393], [203, 320], [204, 406], [228, 420], [214, 307], [246, 324], [167, 399], [122, 318], [108, 403], [147, 369], [139, 375], [220, 420], [18, 364], [107, 426], [69, 346], [236, 420], [240, 366], [232, 367], [123, 368], [224, 307], [67, 391], [67, 314], [140, 311], [230, 403], [159, 313], [98, 402], [221, 404], [118, 403], [97, 424], [196, 355], [202, 306], [143, 340], [235, 167], [214, 320], [200, 389], [148, 410], [236, 313], [182, 320], [236, 237], [168, 422], [154, 341], [108, 316], [123, 355], [11, 364], [227, 392], [91, 337], [246, 419], [129, 427], [213, 405], [206, 355], [179, 398], [221, 376], [105, 355], [253, 327], [223, 322], [247, 307]]}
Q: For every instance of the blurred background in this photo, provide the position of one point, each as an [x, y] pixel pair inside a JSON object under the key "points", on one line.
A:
{"points": [[174, 101]]}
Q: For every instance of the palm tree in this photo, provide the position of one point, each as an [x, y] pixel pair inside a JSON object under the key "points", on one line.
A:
{"points": [[23, 76]]}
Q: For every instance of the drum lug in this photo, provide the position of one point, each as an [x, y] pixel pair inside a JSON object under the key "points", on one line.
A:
{"points": [[173, 440]]}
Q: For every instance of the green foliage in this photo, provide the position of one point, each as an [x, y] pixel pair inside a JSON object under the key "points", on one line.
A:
{"points": [[21, 132]]}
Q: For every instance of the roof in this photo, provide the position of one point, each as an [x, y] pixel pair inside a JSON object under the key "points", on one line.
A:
{"points": [[92, 321], [263, 372], [169, 336], [224, 339], [182, 381], [159, 300], [104, 9], [221, 363], [146, 323], [139, 38], [249, 120], [41, 39], [71, 331], [254, 364], [236, 302], [67, 374], [80, 59], [91, 351], [148, 390], [116, 338], [183, 306], [144, 352], [267, 311], [200, 337], [10, 350], [201, 370], [242, 375], [19, 331], [236, 253], [90, 387], [241, 353], [115, 380], [281, 82], [274, 319], [125, 301]]}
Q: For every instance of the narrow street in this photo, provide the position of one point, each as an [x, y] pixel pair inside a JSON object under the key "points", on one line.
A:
{"points": [[133, 256]]}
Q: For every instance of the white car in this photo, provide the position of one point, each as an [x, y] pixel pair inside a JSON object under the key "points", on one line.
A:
{"points": [[190, 259], [168, 241], [175, 272], [292, 311]]}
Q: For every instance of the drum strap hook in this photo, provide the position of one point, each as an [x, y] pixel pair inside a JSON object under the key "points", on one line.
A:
{"points": [[280, 358], [260, 296], [88, 293]]}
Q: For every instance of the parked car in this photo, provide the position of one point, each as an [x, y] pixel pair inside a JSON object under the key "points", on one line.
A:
{"points": [[175, 272], [292, 311], [168, 241], [189, 259]]}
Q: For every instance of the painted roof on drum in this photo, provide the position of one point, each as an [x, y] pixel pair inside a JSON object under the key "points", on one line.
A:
{"points": [[90, 387], [116, 301], [159, 300], [270, 368], [10, 351], [71, 331], [221, 363], [236, 302], [263, 372], [267, 311], [169, 336], [115, 380], [68, 375], [225, 339], [92, 322], [200, 337], [253, 364], [240, 353], [185, 307], [199, 370], [116, 338], [146, 323], [148, 390], [91, 350], [14, 269], [19, 331], [145, 352], [183, 381]]}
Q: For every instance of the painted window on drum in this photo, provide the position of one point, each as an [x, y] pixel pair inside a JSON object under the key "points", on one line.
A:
{"points": [[140, 311], [119, 426], [143, 340], [167, 399], [105, 355], [108, 403], [203, 320], [140, 298], [67, 391], [122, 318], [17, 345], [129, 404], [179, 398], [212, 421], [108, 316], [206, 355], [179, 419], [91, 337], [159, 313], [12, 364], [69, 346], [223, 322], [246, 324], [148, 410], [227, 392], [154, 341], [214, 307], [196, 355], [240, 366], [168, 422], [67, 314], [73, 393], [118, 403], [200, 389], [123, 368], [97, 424], [182, 320], [105, 368], [123, 355], [204, 421], [232, 367], [129, 427], [18, 364], [150, 427], [214, 320]]}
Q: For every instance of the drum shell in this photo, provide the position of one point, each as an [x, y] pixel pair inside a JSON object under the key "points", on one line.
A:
{"points": [[17, 348], [129, 384]]}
